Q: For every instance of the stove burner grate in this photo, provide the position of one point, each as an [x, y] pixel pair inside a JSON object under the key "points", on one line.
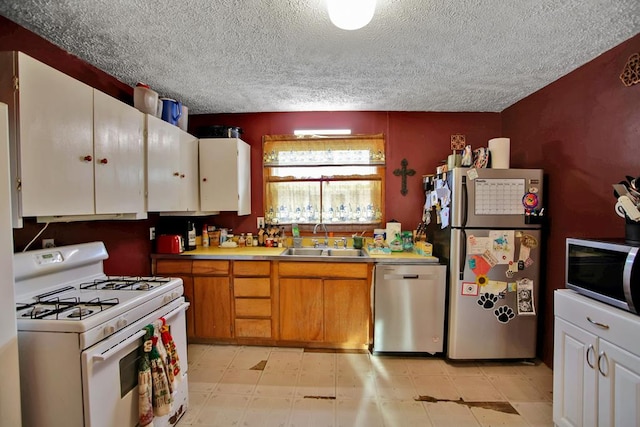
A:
{"points": [[56, 306], [126, 283]]}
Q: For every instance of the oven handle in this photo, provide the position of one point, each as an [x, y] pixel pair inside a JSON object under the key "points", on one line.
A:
{"points": [[113, 350]]}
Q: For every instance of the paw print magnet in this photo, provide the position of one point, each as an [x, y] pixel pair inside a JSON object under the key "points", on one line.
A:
{"points": [[487, 301], [504, 314]]}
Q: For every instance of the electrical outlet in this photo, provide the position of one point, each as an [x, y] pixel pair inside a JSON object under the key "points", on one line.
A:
{"points": [[152, 233], [48, 243], [260, 222]]}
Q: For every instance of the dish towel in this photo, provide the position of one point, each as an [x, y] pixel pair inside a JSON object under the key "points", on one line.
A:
{"points": [[145, 388], [162, 398], [162, 351], [172, 361]]}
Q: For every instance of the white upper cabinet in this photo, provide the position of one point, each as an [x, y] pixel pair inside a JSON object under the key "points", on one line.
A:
{"points": [[172, 168], [119, 156], [225, 175], [65, 165], [51, 133]]}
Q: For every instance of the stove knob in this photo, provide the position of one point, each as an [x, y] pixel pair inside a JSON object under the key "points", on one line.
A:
{"points": [[109, 329], [121, 323]]}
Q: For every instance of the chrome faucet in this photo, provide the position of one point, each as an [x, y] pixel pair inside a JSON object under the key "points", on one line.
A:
{"points": [[326, 233]]}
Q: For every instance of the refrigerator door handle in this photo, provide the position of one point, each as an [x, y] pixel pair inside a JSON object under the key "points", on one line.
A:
{"points": [[463, 253], [465, 202]]}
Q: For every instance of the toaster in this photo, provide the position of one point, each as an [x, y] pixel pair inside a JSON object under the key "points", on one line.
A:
{"points": [[169, 244]]}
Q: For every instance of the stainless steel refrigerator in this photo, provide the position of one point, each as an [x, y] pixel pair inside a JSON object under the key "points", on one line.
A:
{"points": [[492, 248]]}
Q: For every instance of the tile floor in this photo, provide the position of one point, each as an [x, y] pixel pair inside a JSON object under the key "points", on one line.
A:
{"points": [[264, 386]]}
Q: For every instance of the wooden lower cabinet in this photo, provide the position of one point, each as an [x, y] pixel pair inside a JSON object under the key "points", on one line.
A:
{"points": [[301, 313], [332, 308], [346, 311], [213, 308], [190, 297], [181, 269], [252, 291], [275, 302]]}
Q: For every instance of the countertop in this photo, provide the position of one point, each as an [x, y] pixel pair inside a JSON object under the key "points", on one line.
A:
{"points": [[262, 253]]}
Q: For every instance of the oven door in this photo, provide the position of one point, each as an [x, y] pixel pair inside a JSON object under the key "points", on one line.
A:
{"points": [[110, 372]]}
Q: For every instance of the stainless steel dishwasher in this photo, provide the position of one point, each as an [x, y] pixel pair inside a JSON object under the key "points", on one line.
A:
{"points": [[409, 307]]}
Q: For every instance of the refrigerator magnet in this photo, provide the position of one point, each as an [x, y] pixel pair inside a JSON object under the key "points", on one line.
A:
{"points": [[525, 297], [528, 241], [530, 201], [481, 266], [504, 314], [469, 289]]}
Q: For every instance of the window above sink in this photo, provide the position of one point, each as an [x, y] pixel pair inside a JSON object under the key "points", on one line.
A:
{"points": [[337, 180]]}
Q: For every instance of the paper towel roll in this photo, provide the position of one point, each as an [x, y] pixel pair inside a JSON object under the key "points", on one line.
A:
{"points": [[499, 149]]}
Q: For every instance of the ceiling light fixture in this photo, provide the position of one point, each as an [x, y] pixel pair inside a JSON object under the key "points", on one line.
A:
{"points": [[351, 14]]}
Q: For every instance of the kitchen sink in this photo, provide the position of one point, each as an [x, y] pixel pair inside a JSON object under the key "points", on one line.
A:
{"points": [[304, 251], [324, 252], [345, 252]]}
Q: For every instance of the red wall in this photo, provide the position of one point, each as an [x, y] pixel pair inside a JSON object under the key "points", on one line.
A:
{"points": [[421, 138], [584, 130]]}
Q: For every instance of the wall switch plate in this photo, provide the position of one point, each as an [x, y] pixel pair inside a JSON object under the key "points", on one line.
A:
{"points": [[260, 222], [152, 233], [48, 243]]}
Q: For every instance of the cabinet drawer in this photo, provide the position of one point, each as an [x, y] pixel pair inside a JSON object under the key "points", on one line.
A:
{"points": [[211, 267], [252, 287], [249, 307], [173, 266], [613, 324], [251, 268], [322, 269], [259, 328]]}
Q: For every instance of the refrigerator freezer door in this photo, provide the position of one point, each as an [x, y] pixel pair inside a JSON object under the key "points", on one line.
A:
{"points": [[485, 320], [494, 197]]}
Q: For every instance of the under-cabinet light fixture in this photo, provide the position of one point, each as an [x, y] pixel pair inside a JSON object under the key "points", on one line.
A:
{"points": [[322, 132]]}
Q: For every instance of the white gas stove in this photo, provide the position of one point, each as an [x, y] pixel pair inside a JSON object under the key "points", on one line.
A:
{"points": [[89, 326]]}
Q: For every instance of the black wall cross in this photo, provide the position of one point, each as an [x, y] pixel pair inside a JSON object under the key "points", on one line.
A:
{"points": [[404, 172]]}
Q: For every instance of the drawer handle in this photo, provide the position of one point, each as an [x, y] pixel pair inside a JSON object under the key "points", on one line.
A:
{"points": [[598, 324], [590, 350], [602, 356]]}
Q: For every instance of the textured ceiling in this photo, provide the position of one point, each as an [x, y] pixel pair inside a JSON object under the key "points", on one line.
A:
{"points": [[284, 55]]}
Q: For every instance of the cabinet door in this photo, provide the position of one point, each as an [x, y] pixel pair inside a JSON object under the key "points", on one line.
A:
{"points": [[213, 309], [189, 295], [163, 166], [574, 376], [618, 386], [225, 175], [56, 141], [119, 156], [190, 192], [301, 310], [244, 178], [346, 311]]}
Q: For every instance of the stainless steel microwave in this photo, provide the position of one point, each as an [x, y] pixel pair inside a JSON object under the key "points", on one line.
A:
{"points": [[606, 270]]}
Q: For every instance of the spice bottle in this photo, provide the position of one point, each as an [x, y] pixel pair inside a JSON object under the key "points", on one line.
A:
{"points": [[205, 236]]}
